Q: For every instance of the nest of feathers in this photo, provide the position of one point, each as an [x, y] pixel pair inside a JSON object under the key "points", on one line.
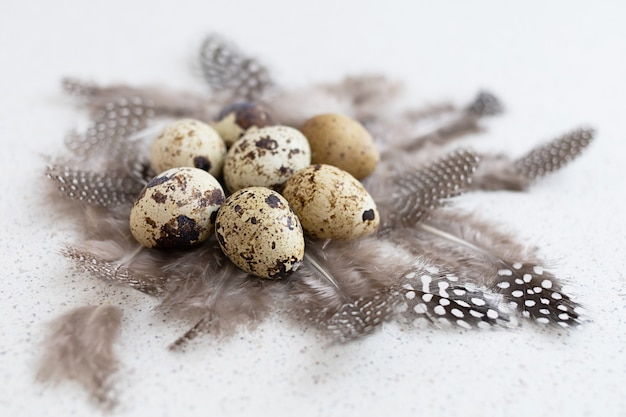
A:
{"points": [[427, 262]]}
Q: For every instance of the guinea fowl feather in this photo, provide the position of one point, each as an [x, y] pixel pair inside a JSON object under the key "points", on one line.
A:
{"points": [[509, 268], [499, 172], [427, 262]]}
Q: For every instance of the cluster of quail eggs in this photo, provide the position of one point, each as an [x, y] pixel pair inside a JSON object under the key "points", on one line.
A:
{"points": [[259, 187]]}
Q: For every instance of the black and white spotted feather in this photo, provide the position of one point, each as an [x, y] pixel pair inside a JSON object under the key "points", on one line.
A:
{"points": [[225, 68], [429, 262], [446, 299]]}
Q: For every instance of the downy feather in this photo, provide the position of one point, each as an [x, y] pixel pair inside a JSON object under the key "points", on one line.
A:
{"points": [[79, 347]]}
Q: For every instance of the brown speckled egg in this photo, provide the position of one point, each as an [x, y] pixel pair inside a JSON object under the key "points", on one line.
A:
{"points": [[176, 209], [233, 121], [331, 204], [188, 143], [343, 142], [259, 233], [266, 157]]}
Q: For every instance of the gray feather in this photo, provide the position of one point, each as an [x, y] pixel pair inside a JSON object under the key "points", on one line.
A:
{"points": [[555, 154], [105, 190], [79, 347], [225, 68]]}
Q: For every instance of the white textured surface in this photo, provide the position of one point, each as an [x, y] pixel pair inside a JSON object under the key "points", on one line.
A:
{"points": [[555, 65]]}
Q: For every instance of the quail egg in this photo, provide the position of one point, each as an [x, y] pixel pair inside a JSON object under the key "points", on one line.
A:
{"points": [[343, 142], [176, 209], [260, 233], [266, 157], [331, 203], [188, 143], [233, 121]]}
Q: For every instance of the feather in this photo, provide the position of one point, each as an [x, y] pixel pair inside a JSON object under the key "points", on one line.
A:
{"points": [[366, 286], [118, 120], [485, 104], [116, 272], [499, 172], [108, 189], [79, 347], [160, 101], [447, 299], [215, 295], [503, 265], [555, 154], [466, 122], [78, 88], [418, 192], [224, 67]]}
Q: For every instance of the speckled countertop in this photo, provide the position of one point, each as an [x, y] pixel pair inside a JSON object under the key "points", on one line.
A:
{"points": [[555, 65]]}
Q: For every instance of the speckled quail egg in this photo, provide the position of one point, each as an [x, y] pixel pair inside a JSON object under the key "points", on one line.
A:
{"points": [[343, 142], [331, 203], [266, 157], [176, 209], [260, 233], [234, 120], [188, 143]]}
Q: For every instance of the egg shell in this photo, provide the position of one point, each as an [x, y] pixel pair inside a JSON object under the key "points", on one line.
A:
{"points": [[176, 209], [342, 142], [331, 203], [266, 157], [260, 233], [234, 120], [188, 143]]}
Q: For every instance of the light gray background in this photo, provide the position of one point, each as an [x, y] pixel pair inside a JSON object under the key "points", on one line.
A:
{"points": [[556, 65]]}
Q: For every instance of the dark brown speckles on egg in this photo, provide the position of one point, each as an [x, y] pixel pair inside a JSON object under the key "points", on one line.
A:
{"points": [[158, 180], [368, 215], [202, 162], [274, 201], [285, 170], [266, 143], [284, 267], [159, 197], [150, 222], [178, 233], [214, 197]]}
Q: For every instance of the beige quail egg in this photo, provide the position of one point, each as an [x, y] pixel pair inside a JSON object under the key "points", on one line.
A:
{"points": [[260, 233], [188, 143], [343, 142], [331, 203], [234, 120], [176, 209], [266, 157]]}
